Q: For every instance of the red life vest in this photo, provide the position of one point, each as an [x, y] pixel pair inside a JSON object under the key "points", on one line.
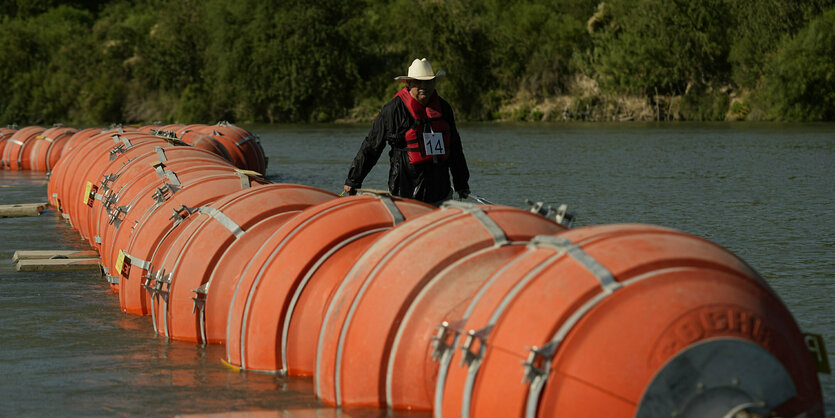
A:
{"points": [[426, 117]]}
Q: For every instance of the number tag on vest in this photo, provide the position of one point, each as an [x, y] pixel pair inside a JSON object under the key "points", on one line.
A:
{"points": [[434, 143]]}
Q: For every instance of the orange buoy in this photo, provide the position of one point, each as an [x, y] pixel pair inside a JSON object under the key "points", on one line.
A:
{"points": [[206, 142], [56, 177], [91, 170], [124, 174], [71, 186], [239, 142], [625, 320], [136, 247], [229, 268], [362, 318], [38, 154], [5, 134], [59, 138], [138, 182], [412, 369], [144, 192], [188, 262], [18, 146], [131, 172], [263, 302]]}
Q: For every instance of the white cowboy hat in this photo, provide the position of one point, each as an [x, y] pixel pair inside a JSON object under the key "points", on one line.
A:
{"points": [[420, 69]]}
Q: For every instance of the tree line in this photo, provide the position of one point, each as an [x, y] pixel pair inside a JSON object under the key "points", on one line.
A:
{"points": [[125, 61]]}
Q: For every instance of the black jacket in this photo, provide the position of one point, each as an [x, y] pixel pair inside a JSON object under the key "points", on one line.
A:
{"points": [[428, 182]]}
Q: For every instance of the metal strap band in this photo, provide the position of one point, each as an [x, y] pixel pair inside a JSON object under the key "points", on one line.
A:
{"points": [[49, 139], [396, 215], [97, 239], [607, 280], [172, 178], [112, 279], [245, 183], [245, 140], [538, 376], [138, 262], [497, 232], [55, 195], [224, 220], [161, 153], [15, 141], [127, 143]]}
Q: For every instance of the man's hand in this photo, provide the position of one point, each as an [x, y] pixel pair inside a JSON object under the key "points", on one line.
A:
{"points": [[348, 190], [463, 194]]}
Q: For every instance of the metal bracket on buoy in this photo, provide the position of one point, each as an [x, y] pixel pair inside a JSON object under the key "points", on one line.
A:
{"points": [[473, 337], [181, 213], [535, 365], [561, 215], [442, 341], [200, 308], [200, 297], [113, 219], [109, 199], [161, 280], [164, 193], [118, 149], [150, 277], [106, 180]]}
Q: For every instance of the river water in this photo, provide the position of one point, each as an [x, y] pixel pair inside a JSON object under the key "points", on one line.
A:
{"points": [[766, 192]]}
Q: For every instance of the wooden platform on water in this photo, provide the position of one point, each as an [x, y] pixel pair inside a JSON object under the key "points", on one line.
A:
{"points": [[21, 209], [56, 260]]}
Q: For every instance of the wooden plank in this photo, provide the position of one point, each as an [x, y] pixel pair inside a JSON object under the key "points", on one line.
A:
{"points": [[22, 209], [61, 264], [45, 254]]}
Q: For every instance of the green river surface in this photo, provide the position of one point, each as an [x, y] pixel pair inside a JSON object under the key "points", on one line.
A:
{"points": [[766, 192]]}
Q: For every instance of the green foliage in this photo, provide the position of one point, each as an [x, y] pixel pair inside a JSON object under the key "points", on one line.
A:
{"points": [[189, 60], [758, 28], [704, 105], [661, 44], [800, 81]]}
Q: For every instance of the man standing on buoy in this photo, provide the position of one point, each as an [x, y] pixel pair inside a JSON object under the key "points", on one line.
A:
{"points": [[425, 145]]}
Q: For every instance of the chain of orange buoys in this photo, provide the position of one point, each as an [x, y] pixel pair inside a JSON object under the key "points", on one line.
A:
{"points": [[472, 310]]}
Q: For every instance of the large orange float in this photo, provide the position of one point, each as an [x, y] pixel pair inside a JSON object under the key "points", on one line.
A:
{"points": [[228, 270], [244, 147], [129, 198], [48, 147], [136, 245], [131, 173], [90, 171], [623, 321], [58, 173], [75, 162], [188, 263], [18, 146], [5, 134], [263, 301], [362, 318]]}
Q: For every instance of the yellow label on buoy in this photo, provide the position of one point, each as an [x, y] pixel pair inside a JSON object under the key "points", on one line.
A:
{"points": [[90, 194], [86, 197], [120, 261]]}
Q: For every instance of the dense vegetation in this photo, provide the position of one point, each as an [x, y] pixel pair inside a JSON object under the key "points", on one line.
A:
{"points": [[187, 60]]}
